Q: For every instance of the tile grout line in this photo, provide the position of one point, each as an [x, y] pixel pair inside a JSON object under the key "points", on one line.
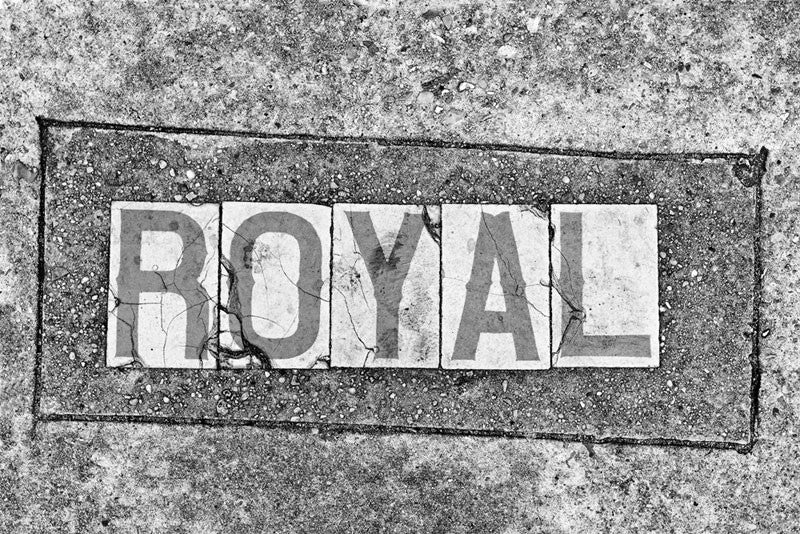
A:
{"points": [[550, 273], [330, 268], [218, 363], [441, 284]]}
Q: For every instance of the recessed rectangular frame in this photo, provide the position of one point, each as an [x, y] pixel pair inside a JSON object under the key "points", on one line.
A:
{"points": [[371, 402]]}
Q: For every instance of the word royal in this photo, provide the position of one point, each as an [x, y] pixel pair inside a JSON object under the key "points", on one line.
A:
{"points": [[457, 286]]}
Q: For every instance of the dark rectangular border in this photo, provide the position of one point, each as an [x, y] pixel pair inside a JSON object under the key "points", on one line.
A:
{"points": [[749, 168]]}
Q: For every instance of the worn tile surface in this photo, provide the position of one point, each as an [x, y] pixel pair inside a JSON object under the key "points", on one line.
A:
{"points": [[495, 287], [605, 285], [162, 285], [275, 285], [385, 301], [701, 390]]}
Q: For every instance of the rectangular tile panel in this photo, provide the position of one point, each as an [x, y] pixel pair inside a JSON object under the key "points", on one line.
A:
{"points": [[385, 305], [706, 224], [162, 285], [495, 277], [275, 286], [605, 285]]}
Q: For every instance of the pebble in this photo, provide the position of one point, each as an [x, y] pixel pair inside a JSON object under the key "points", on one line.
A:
{"points": [[162, 164], [507, 51], [438, 38], [190, 174], [465, 86], [425, 98]]}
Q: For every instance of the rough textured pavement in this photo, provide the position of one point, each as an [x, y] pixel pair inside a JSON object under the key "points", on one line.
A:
{"points": [[626, 77]]}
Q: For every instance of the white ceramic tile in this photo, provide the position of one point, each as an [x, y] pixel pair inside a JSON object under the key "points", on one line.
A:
{"points": [[495, 304], [162, 285], [605, 291], [275, 285], [401, 327]]}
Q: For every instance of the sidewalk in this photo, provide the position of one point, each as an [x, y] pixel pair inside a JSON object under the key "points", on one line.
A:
{"points": [[572, 79]]}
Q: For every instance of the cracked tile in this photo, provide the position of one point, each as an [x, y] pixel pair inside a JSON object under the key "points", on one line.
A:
{"points": [[162, 285], [605, 290], [495, 308], [275, 285], [385, 306]]}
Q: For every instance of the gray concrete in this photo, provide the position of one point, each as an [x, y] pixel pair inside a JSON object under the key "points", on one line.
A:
{"points": [[582, 75]]}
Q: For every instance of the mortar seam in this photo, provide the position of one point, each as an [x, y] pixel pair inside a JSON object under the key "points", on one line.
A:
{"points": [[40, 276], [741, 447], [401, 142]]}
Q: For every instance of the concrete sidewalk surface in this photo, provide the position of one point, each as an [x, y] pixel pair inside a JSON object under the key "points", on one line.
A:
{"points": [[425, 103]]}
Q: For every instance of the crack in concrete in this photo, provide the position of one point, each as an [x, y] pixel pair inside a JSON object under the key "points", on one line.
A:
{"points": [[167, 285], [576, 318], [533, 210], [280, 263], [354, 277], [433, 223], [370, 350], [136, 359], [519, 290], [576, 313], [249, 351], [354, 274], [257, 357]]}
